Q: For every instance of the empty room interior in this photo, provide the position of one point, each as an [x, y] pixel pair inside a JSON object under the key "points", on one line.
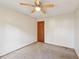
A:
{"points": [[39, 29]]}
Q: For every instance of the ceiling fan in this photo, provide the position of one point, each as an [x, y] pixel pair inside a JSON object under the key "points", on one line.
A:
{"points": [[39, 6]]}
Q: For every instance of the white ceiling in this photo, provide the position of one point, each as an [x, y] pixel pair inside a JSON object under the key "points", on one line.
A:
{"points": [[61, 7]]}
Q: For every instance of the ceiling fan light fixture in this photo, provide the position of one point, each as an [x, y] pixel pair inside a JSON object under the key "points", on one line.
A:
{"points": [[37, 8]]}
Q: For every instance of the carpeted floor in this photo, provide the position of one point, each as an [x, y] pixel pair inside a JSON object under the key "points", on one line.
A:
{"points": [[42, 51]]}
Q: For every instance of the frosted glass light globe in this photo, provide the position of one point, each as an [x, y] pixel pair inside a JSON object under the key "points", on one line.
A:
{"points": [[37, 8]]}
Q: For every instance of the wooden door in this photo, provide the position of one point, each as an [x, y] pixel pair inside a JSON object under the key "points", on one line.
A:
{"points": [[40, 31]]}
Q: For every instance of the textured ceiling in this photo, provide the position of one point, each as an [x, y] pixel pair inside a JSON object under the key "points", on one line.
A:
{"points": [[61, 7]]}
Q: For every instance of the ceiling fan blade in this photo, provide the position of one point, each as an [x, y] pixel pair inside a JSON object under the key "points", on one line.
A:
{"points": [[25, 4], [48, 5]]}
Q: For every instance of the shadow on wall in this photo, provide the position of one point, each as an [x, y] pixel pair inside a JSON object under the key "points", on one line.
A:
{"points": [[16, 30]]}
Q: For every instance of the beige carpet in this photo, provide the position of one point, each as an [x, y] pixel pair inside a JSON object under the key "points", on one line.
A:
{"points": [[42, 51]]}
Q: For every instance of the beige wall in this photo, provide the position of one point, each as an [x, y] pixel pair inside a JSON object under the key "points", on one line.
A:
{"points": [[77, 31], [16, 30], [60, 30]]}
